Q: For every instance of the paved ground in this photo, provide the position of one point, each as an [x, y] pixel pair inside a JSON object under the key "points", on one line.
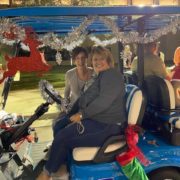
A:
{"points": [[25, 102]]}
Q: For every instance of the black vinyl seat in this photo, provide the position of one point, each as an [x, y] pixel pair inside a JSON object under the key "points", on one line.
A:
{"points": [[162, 111], [130, 77]]}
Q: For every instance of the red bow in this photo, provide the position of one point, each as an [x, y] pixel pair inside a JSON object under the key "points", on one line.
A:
{"points": [[133, 151]]}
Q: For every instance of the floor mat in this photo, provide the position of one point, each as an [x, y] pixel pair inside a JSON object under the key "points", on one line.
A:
{"points": [[37, 151]]}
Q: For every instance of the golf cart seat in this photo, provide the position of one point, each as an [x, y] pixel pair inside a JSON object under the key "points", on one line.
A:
{"points": [[162, 108], [130, 77], [116, 144]]}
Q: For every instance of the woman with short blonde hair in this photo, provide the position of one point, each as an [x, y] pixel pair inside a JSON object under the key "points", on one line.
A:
{"points": [[104, 52], [101, 112]]}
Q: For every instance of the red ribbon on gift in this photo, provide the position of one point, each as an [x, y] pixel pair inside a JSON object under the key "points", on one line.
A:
{"points": [[133, 151]]}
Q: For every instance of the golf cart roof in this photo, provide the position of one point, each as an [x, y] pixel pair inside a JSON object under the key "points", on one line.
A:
{"points": [[62, 20]]}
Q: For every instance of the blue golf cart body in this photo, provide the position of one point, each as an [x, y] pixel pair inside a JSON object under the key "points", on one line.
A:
{"points": [[161, 155]]}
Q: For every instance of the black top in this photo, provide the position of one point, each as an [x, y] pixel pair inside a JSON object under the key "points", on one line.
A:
{"points": [[104, 100]]}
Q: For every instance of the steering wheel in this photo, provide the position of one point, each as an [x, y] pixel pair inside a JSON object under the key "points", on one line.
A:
{"points": [[49, 94]]}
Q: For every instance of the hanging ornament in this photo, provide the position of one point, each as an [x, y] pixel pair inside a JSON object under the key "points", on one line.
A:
{"points": [[58, 58]]}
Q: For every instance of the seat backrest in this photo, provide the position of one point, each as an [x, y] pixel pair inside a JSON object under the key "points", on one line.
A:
{"points": [[159, 92], [134, 104], [176, 86], [130, 78]]}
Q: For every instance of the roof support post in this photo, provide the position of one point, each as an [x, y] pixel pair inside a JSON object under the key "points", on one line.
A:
{"points": [[120, 60], [140, 54], [10, 3], [129, 2], [120, 49], [156, 2]]}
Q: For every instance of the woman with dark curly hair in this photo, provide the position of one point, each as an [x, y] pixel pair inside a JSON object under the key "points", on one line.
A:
{"points": [[76, 78]]}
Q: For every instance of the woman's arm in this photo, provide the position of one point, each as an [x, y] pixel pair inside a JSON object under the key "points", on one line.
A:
{"points": [[67, 87]]}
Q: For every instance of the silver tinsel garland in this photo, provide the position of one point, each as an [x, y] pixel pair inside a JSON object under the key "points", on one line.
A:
{"points": [[6, 26], [78, 35], [64, 106]]}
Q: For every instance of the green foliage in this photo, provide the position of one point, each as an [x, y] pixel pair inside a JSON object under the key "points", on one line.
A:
{"points": [[94, 2], [60, 2]]}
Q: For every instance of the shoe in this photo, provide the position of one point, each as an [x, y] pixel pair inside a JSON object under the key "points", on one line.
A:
{"points": [[63, 177], [61, 174], [46, 157], [44, 176], [48, 146]]}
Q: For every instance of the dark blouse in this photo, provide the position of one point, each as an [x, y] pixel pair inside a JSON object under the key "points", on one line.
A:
{"points": [[104, 100]]}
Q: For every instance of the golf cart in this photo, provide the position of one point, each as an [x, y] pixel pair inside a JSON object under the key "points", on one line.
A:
{"points": [[99, 162]]}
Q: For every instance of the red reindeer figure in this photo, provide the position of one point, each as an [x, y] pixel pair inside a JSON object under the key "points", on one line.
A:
{"points": [[34, 63]]}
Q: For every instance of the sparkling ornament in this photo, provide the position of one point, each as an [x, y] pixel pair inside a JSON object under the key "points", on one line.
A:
{"points": [[58, 58]]}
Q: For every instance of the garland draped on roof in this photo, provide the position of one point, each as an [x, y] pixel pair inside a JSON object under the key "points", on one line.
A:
{"points": [[78, 35]]}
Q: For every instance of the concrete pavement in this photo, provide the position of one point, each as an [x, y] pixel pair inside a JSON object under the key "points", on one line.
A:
{"points": [[25, 102]]}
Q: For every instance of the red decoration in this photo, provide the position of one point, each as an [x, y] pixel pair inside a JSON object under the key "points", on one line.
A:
{"points": [[34, 63], [133, 151], [10, 34]]}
